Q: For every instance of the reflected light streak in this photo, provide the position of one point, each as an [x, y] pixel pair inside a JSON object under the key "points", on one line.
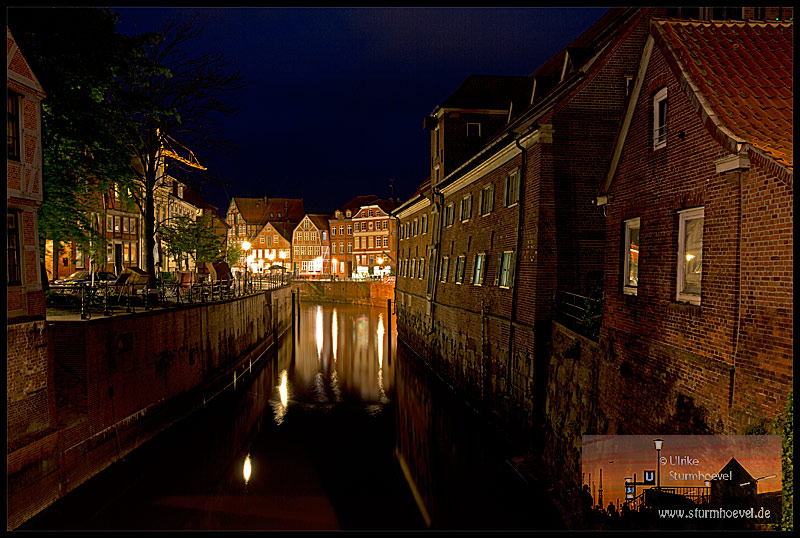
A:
{"points": [[380, 340], [320, 332], [280, 408], [334, 334], [247, 469]]}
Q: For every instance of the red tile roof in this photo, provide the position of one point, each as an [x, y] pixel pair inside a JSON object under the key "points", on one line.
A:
{"points": [[257, 210], [741, 74]]}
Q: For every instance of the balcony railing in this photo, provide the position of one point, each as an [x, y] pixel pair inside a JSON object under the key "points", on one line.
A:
{"points": [[581, 313]]}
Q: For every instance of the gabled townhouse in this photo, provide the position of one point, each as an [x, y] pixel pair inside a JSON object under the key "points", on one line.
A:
{"points": [[247, 217], [273, 247], [311, 246], [341, 223], [30, 392], [698, 204], [375, 238]]}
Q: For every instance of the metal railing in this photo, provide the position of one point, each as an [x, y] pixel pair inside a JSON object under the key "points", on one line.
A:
{"points": [[110, 298], [580, 313]]}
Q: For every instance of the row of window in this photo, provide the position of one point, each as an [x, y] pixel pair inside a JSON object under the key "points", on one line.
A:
{"points": [[690, 255], [307, 251], [365, 226], [415, 227], [119, 224], [504, 275]]}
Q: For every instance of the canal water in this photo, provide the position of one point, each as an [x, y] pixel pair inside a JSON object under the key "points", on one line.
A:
{"points": [[338, 428]]}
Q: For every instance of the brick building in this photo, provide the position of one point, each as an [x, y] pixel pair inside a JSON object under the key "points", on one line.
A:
{"points": [[248, 217], [341, 223], [629, 153], [312, 247], [30, 397], [375, 238], [273, 246], [24, 192], [699, 214]]}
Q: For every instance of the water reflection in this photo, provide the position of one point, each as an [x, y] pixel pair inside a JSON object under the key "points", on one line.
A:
{"points": [[247, 469], [279, 408]]}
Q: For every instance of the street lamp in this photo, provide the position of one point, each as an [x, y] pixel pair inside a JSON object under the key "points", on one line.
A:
{"points": [[246, 248], [658, 443]]}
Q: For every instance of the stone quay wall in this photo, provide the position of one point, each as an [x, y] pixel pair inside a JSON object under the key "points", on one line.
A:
{"points": [[120, 380], [350, 292]]}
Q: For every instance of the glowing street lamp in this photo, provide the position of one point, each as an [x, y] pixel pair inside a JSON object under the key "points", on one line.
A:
{"points": [[246, 247], [658, 443]]}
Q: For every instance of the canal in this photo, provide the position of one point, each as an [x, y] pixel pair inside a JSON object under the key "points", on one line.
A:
{"points": [[337, 428]]}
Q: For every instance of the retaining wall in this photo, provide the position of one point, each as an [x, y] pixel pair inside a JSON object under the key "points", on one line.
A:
{"points": [[120, 380]]}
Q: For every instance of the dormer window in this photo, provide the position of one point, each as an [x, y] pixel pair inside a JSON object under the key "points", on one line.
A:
{"points": [[348, 213], [474, 130], [660, 119], [279, 215], [271, 215]]}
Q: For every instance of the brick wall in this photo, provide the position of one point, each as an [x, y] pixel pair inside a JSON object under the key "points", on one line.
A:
{"points": [[120, 380]]}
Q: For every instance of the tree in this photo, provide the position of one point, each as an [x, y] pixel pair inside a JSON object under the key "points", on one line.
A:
{"points": [[234, 254], [196, 239], [172, 96], [79, 58]]}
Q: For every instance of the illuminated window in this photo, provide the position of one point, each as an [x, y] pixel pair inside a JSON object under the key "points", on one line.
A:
{"points": [[630, 274], [505, 269], [690, 255]]}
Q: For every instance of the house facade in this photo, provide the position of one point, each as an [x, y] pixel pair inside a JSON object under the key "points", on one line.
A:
{"points": [[616, 258], [374, 238], [341, 223], [699, 212], [247, 218], [311, 247]]}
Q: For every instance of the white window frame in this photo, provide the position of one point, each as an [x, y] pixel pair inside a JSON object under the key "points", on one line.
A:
{"points": [[449, 213], [505, 269], [487, 200], [466, 208], [511, 196], [684, 216], [479, 269], [444, 269], [458, 275], [627, 287], [659, 126]]}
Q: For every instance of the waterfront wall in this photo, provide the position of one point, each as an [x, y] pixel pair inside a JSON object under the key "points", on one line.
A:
{"points": [[120, 380], [350, 292]]}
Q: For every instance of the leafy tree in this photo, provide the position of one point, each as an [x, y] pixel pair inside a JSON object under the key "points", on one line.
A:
{"points": [[234, 254], [196, 239], [171, 96], [79, 59]]}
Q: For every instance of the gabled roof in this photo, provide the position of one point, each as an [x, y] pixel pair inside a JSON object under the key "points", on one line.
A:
{"points": [[739, 75], [17, 68], [357, 202], [320, 220], [283, 228], [257, 210], [489, 92]]}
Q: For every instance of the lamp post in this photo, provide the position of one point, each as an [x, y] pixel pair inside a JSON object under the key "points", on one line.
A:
{"points": [[658, 443], [246, 248]]}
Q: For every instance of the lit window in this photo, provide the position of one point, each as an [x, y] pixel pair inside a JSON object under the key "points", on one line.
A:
{"points": [[479, 269], [385, 241], [690, 255], [660, 119], [630, 274]]}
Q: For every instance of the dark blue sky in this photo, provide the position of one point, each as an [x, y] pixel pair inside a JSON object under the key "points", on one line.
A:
{"points": [[336, 96]]}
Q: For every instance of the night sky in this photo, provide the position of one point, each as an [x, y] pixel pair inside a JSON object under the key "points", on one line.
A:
{"points": [[335, 97]]}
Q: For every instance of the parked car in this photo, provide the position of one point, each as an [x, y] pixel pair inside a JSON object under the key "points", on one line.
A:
{"points": [[84, 277]]}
